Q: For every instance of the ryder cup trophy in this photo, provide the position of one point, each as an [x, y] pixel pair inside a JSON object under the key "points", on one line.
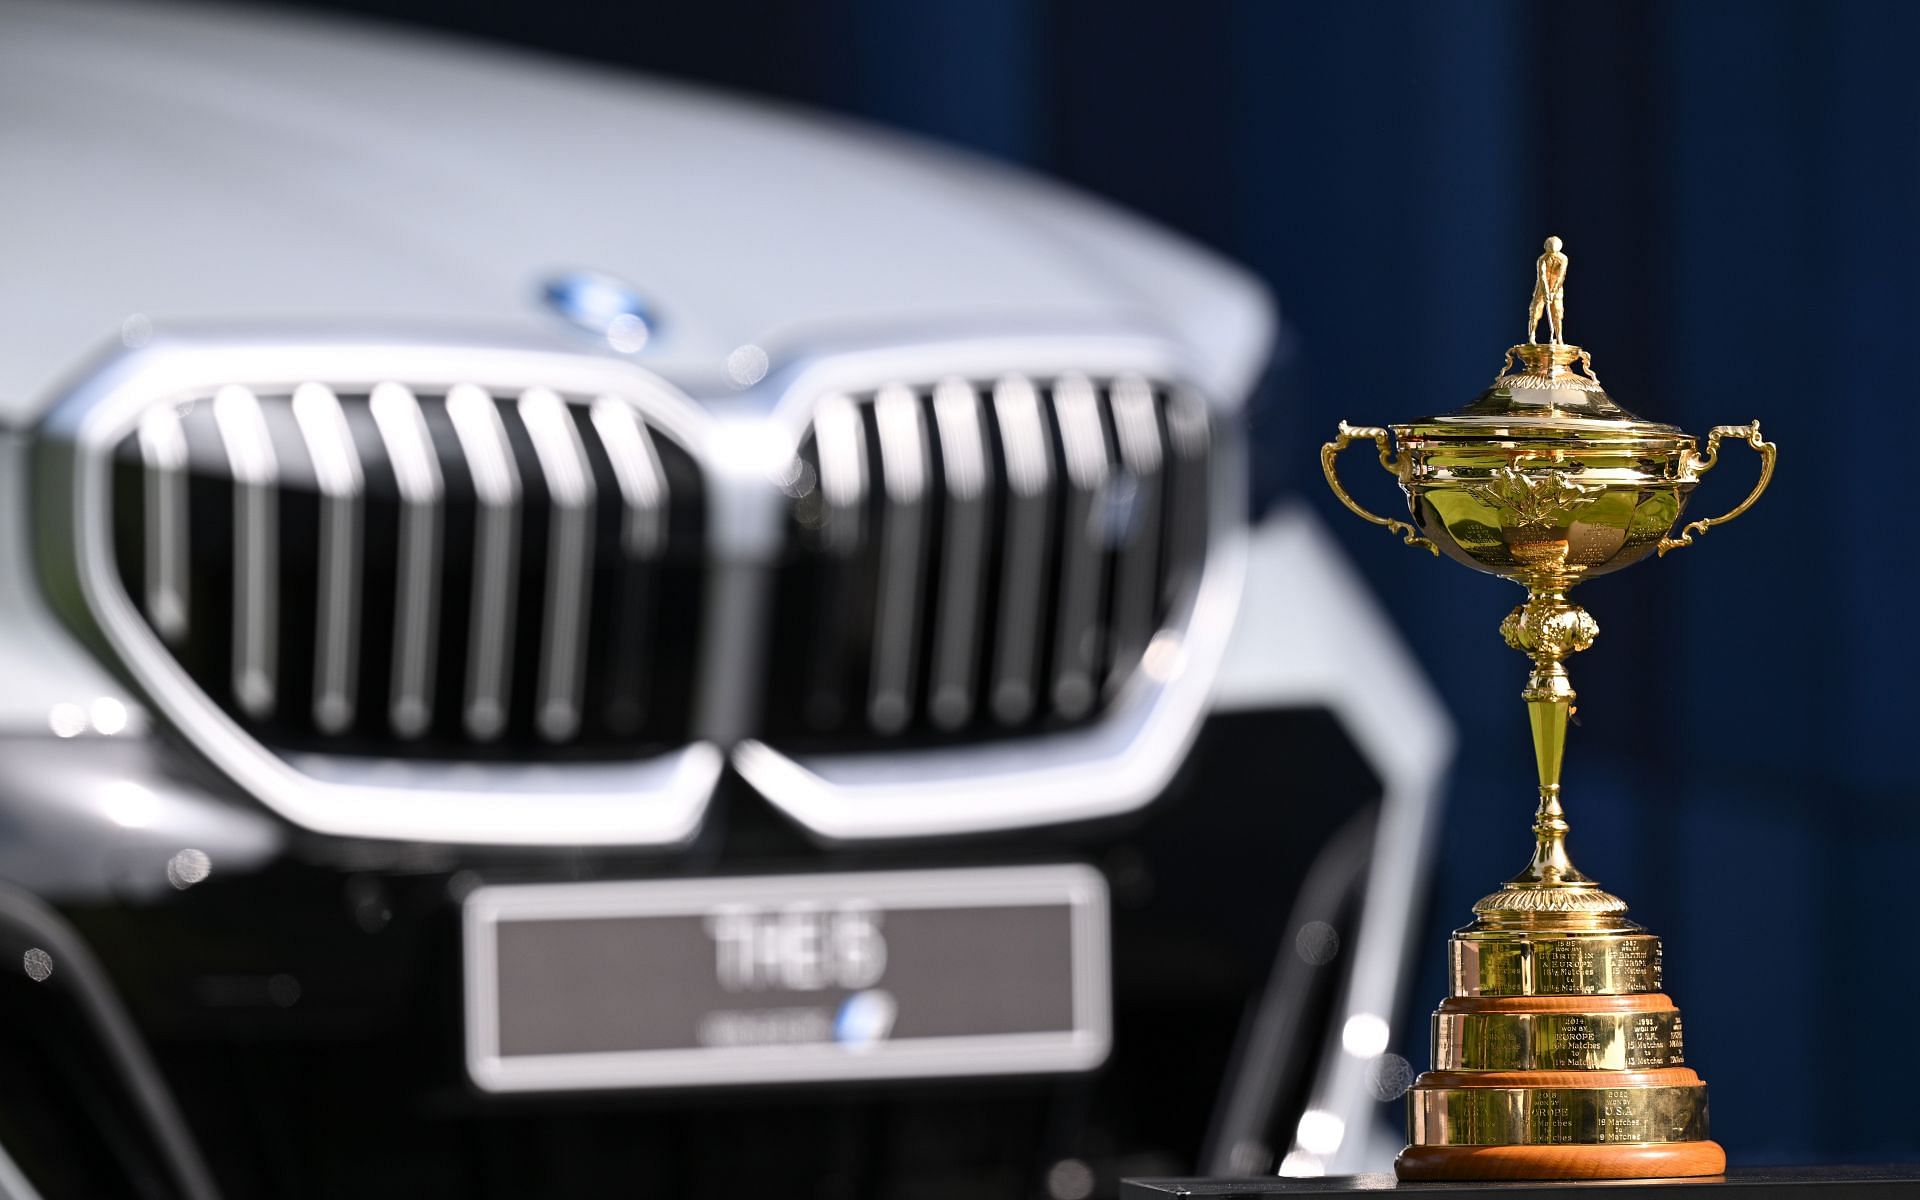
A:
{"points": [[1556, 1056]]}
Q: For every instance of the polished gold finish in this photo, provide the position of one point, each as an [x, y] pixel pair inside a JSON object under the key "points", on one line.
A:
{"points": [[1557, 1116], [1557, 1034], [1748, 433], [1548, 368], [1557, 1041], [1526, 959], [1549, 292], [1347, 435], [1549, 628]]}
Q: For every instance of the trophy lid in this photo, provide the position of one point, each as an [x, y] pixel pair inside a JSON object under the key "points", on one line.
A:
{"points": [[1554, 395]]}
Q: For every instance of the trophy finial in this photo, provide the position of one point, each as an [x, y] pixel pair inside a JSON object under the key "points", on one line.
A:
{"points": [[1548, 365], [1549, 294]]}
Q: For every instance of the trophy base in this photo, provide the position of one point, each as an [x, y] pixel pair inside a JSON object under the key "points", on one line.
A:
{"points": [[1557, 1057], [1487, 1163]]}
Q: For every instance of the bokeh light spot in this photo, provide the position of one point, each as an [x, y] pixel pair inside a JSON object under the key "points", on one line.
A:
{"points": [[188, 867], [1318, 943], [747, 365], [1389, 1076]]}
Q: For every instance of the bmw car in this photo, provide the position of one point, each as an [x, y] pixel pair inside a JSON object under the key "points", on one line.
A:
{"points": [[565, 632]]}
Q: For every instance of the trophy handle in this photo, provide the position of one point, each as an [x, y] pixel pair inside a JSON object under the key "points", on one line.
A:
{"points": [[1378, 436], [1750, 434]]}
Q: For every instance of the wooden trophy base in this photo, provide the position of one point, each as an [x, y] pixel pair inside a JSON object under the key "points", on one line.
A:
{"points": [[1486, 1163]]}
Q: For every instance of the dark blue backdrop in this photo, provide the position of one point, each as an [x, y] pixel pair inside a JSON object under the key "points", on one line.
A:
{"points": [[1737, 186]]}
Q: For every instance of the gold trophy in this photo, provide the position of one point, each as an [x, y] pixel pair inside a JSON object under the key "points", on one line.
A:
{"points": [[1556, 1056]]}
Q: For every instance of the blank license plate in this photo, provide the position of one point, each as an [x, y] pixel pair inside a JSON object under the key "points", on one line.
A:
{"points": [[677, 983]]}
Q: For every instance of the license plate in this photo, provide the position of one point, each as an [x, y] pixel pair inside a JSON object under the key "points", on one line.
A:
{"points": [[678, 983]]}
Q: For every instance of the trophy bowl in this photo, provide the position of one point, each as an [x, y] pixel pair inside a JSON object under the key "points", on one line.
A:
{"points": [[1544, 479], [1556, 1054]]}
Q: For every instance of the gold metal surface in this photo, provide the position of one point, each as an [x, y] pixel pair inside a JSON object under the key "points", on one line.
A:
{"points": [[1557, 1034], [1557, 1041], [1548, 368], [1549, 292], [1748, 433], [1555, 1116], [1533, 962], [1347, 435]]}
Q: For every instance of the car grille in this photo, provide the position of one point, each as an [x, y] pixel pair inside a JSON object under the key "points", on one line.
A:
{"points": [[439, 573], [979, 558]]}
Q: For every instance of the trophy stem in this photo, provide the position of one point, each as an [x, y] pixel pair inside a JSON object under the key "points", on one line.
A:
{"points": [[1550, 629], [1549, 698]]}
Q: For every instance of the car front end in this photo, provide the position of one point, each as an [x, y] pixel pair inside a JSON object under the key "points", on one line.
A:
{"points": [[570, 632]]}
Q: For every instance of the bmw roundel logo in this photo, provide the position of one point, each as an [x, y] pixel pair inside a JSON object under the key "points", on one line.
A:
{"points": [[602, 305]]}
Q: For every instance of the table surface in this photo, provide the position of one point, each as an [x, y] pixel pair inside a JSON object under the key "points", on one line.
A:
{"points": [[1759, 1183]]}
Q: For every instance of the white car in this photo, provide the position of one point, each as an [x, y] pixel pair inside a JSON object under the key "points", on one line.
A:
{"points": [[565, 632]]}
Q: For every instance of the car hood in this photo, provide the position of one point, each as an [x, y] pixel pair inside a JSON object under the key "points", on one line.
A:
{"points": [[197, 165]]}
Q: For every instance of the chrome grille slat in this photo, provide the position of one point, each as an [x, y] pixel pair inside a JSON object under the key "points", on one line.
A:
{"points": [[570, 498], [904, 471], [163, 456], [644, 494], [337, 474], [1187, 441], [842, 450], [1029, 476], [416, 472], [637, 471], [254, 470], [496, 556], [1136, 593], [963, 458], [1083, 534], [840, 447]]}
